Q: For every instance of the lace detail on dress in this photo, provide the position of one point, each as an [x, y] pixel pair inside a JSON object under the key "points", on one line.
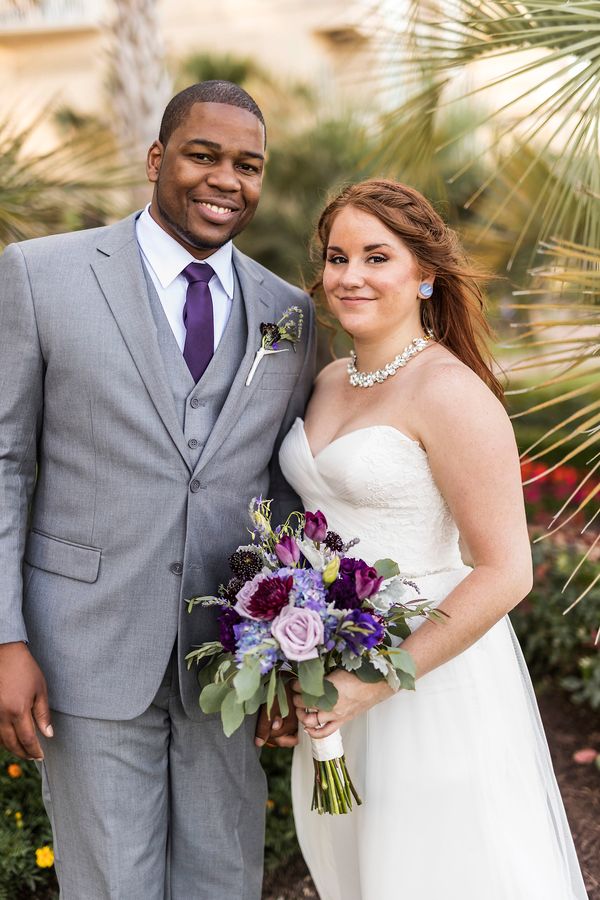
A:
{"points": [[370, 472]]}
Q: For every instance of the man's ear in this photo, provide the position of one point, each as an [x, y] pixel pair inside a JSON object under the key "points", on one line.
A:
{"points": [[153, 161]]}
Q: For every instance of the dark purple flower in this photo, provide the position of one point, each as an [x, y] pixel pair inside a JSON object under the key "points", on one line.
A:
{"points": [[245, 563], [334, 542], [270, 597], [287, 551], [227, 620], [342, 593], [315, 526], [367, 582], [361, 631]]}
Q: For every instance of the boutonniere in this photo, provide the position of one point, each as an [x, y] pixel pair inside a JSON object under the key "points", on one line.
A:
{"points": [[289, 328]]}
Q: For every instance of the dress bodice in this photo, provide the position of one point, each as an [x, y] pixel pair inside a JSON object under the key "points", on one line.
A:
{"points": [[375, 483]]}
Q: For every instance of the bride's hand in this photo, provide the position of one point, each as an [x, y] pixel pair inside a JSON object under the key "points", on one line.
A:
{"points": [[354, 697]]}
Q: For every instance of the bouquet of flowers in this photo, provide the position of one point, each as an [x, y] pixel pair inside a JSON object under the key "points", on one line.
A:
{"points": [[298, 606]]}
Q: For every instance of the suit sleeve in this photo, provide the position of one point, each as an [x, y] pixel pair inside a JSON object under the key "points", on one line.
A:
{"points": [[285, 500], [21, 400]]}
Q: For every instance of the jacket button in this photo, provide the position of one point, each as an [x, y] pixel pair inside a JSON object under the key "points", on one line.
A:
{"points": [[176, 568], [193, 443], [195, 486], [194, 403]]}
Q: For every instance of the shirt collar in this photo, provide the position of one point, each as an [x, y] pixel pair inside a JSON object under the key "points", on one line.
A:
{"points": [[168, 258]]}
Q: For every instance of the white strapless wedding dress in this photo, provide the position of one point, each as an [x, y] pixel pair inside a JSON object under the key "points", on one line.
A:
{"points": [[459, 797]]}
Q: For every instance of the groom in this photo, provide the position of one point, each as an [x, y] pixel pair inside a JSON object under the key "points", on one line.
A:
{"points": [[130, 447]]}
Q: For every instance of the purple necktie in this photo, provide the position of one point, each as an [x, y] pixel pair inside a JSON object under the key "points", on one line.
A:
{"points": [[198, 319]]}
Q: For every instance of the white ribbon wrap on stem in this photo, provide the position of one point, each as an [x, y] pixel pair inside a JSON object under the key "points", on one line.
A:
{"points": [[326, 748]]}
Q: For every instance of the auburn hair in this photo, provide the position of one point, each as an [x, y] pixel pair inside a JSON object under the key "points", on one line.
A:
{"points": [[455, 312]]}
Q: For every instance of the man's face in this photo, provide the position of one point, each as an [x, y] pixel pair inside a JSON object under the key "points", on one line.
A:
{"points": [[207, 179]]}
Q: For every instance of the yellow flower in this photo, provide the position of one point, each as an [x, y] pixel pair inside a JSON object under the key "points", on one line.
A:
{"points": [[19, 819], [14, 770], [331, 571], [44, 857], [270, 805]]}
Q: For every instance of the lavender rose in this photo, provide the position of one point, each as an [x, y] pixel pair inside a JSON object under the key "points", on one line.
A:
{"points": [[245, 594], [299, 632]]}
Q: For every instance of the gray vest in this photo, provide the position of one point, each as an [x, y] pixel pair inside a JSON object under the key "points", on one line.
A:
{"points": [[198, 405]]}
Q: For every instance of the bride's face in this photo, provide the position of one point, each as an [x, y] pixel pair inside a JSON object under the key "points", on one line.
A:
{"points": [[370, 278]]}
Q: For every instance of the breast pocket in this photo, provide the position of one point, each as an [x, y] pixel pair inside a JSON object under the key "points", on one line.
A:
{"points": [[52, 554], [277, 381]]}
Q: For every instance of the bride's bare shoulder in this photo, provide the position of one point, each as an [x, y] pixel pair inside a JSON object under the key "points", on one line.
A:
{"points": [[331, 374], [443, 377]]}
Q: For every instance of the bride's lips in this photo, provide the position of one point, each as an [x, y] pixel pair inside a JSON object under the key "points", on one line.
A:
{"points": [[354, 301], [216, 212]]}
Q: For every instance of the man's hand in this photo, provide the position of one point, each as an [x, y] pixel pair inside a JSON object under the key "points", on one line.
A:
{"points": [[277, 731], [23, 702]]}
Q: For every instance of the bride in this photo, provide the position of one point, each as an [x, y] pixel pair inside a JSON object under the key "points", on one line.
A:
{"points": [[408, 449]]}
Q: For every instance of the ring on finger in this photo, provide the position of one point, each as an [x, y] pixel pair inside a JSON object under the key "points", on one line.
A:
{"points": [[319, 724]]}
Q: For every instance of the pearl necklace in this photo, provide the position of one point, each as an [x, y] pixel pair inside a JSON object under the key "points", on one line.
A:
{"points": [[368, 379]]}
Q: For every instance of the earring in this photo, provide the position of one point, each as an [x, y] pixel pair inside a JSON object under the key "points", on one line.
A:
{"points": [[425, 290]]}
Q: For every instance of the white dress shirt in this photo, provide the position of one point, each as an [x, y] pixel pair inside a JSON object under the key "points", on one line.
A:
{"points": [[165, 260]]}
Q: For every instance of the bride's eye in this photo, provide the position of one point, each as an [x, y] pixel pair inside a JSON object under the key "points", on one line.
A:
{"points": [[377, 258], [337, 259]]}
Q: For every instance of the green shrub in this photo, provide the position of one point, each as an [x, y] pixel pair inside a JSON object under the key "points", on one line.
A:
{"points": [[26, 869], [560, 648]]}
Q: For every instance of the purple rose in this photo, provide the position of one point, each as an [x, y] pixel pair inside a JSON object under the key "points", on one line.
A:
{"points": [[361, 631], [342, 592], [228, 618], [367, 582], [287, 551], [245, 594], [315, 526], [299, 632]]}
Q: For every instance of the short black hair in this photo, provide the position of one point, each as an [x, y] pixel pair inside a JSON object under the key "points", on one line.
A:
{"points": [[205, 92]]}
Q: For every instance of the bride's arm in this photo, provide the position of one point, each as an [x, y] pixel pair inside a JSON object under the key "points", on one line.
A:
{"points": [[474, 461]]}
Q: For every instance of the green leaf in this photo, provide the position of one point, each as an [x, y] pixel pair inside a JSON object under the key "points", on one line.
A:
{"points": [[310, 674], [232, 714], [257, 699], [326, 700], [247, 680], [387, 568], [407, 682], [271, 690], [284, 706], [403, 661], [400, 630], [369, 673], [212, 696]]}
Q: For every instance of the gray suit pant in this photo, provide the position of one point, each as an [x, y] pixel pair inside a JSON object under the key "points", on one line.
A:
{"points": [[157, 807]]}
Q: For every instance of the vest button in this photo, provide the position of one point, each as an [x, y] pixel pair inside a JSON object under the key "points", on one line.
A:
{"points": [[192, 443], [195, 486], [194, 403], [176, 568]]}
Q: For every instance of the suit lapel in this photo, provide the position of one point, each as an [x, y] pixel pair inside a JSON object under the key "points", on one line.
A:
{"points": [[118, 268], [259, 305]]}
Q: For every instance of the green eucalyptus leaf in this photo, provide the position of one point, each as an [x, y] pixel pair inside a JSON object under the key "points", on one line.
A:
{"points": [[368, 673], [212, 696], [403, 661], [282, 699], [310, 675], [232, 713], [386, 568], [271, 690], [247, 680], [258, 698]]}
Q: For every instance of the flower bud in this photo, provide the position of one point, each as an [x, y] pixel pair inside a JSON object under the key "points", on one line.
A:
{"points": [[287, 551], [315, 526]]}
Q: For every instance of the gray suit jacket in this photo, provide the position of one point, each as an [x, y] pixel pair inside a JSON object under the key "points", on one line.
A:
{"points": [[121, 527]]}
